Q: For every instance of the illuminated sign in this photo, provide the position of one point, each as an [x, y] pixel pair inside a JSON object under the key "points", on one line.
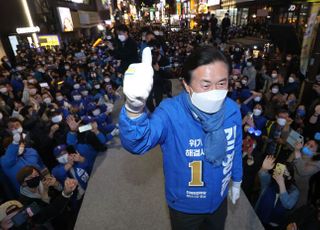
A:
{"points": [[49, 40], [28, 30], [65, 19], [213, 2]]}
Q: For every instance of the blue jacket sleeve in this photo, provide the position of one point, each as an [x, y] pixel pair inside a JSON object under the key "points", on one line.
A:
{"points": [[143, 133], [102, 138], [11, 156], [265, 179], [72, 138], [237, 160], [289, 199]]}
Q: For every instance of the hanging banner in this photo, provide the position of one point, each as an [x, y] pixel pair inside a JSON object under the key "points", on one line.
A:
{"points": [[308, 38]]}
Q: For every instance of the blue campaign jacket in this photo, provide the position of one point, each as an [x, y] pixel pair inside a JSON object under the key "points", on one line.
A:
{"points": [[11, 162], [180, 137]]}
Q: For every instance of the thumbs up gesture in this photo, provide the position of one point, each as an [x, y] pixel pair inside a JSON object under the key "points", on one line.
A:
{"points": [[137, 83]]}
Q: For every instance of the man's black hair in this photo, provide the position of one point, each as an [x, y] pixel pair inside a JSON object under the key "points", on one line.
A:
{"points": [[202, 56], [122, 28]]}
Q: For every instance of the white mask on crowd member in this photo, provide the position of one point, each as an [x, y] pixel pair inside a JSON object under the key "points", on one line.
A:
{"points": [[275, 90], [274, 75], [18, 130], [244, 82], [210, 101], [63, 159], [96, 112], [59, 98], [257, 99], [291, 80], [56, 119], [97, 86], [121, 37], [107, 79], [281, 121], [77, 97], [257, 112], [47, 100], [76, 86], [85, 93], [249, 64], [1, 116]]}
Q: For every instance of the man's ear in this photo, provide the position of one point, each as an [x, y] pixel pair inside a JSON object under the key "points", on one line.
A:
{"points": [[186, 87]]}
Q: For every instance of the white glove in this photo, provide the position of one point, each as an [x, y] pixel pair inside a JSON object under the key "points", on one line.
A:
{"points": [[137, 83], [234, 192]]}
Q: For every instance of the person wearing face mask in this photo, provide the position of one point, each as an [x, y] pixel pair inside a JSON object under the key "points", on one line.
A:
{"points": [[71, 165], [16, 157], [306, 163], [279, 194], [6, 64], [48, 195], [276, 133], [251, 73], [292, 85], [86, 97], [201, 119], [125, 48], [6, 94]]}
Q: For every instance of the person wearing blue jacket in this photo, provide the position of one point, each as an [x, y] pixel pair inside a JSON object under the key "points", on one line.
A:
{"points": [[71, 165], [199, 132], [88, 143], [278, 194], [16, 157]]}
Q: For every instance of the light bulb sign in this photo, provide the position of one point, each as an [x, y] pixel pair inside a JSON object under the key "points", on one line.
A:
{"points": [[28, 30]]}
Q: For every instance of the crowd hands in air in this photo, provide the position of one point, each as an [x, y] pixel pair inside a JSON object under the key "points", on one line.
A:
{"points": [[56, 116]]}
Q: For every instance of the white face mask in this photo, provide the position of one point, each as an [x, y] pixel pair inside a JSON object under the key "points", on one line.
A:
{"points": [[85, 93], [66, 67], [63, 159], [77, 97], [97, 86], [1, 116], [210, 101], [291, 80], [4, 90], [18, 130], [257, 99], [244, 82], [56, 119], [107, 80], [122, 38], [249, 64], [281, 121], [76, 86], [257, 112], [274, 75], [59, 98], [274, 90], [47, 100], [96, 112]]}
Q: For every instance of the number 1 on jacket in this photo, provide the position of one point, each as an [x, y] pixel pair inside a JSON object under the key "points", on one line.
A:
{"points": [[196, 173]]}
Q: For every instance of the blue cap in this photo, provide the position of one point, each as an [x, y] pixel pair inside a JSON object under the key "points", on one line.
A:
{"points": [[75, 92], [91, 106], [87, 119], [317, 136], [59, 149]]}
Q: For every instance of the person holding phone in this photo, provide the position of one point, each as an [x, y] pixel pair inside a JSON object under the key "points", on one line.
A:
{"points": [[306, 161], [39, 213], [278, 195]]}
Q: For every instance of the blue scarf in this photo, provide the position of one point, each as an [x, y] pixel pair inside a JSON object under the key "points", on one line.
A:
{"points": [[215, 142]]}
